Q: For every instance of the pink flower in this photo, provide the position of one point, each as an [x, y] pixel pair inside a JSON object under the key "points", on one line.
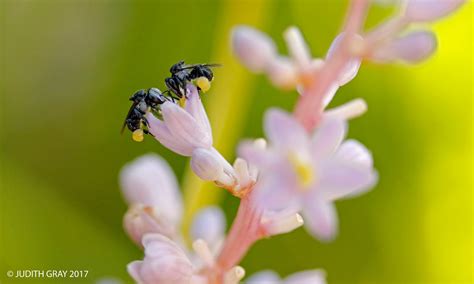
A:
{"points": [[182, 130], [258, 52], [187, 131], [304, 277], [165, 262], [309, 173], [429, 10], [411, 48], [150, 188]]}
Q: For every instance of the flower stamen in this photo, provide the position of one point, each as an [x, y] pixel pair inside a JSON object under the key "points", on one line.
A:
{"points": [[303, 170]]}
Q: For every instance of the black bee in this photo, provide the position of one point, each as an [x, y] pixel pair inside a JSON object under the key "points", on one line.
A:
{"points": [[181, 74], [143, 101]]}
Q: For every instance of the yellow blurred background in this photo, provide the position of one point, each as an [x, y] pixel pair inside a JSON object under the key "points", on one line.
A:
{"points": [[68, 68]]}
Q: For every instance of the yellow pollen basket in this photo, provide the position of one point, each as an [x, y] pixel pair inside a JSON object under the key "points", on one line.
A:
{"points": [[182, 101], [137, 135], [203, 83], [303, 170]]}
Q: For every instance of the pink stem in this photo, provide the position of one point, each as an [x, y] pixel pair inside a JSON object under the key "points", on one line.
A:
{"points": [[309, 107], [245, 231]]}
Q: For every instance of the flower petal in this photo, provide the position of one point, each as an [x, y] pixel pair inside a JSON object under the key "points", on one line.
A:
{"points": [[164, 262], [277, 189], [184, 127], [259, 157], [328, 137], [264, 277], [413, 47], [134, 269], [159, 130], [329, 95], [195, 108], [284, 131], [140, 220], [297, 47], [320, 218], [352, 67], [342, 179], [149, 180], [282, 73], [254, 48], [206, 164], [315, 276], [353, 151], [209, 224], [429, 10]]}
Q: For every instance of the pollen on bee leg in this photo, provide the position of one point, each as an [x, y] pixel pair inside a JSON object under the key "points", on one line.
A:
{"points": [[182, 101], [203, 83], [137, 135]]}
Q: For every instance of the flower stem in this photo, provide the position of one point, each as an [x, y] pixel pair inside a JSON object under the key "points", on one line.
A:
{"points": [[245, 230], [309, 107]]}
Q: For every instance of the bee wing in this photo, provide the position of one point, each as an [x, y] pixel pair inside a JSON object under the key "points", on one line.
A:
{"points": [[213, 65], [128, 114], [207, 65]]}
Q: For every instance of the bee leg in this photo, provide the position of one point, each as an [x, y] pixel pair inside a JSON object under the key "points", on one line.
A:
{"points": [[183, 86], [173, 86]]}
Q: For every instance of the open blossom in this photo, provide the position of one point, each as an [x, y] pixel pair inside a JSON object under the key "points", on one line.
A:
{"points": [[309, 173], [183, 130], [258, 52], [187, 131], [150, 188], [303, 277]]}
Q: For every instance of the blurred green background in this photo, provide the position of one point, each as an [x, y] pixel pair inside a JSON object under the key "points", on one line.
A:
{"points": [[68, 68]]}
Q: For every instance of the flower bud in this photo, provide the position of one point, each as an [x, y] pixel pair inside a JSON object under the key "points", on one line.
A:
{"points": [[413, 47], [282, 73], [254, 48], [206, 164], [209, 224], [150, 181], [140, 220], [429, 10]]}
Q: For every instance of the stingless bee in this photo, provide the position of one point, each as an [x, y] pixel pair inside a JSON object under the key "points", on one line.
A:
{"points": [[181, 74], [143, 101]]}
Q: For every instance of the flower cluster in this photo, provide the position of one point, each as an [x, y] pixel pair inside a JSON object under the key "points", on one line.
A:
{"points": [[286, 180]]}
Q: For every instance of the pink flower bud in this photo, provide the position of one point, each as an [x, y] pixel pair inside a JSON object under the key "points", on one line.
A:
{"points": [[209, 225], [164, 262], [352, 67], [254, 48], [412, 48], [206, 164], [149, 180], [141, 220], [430, 10], [282, 73]]}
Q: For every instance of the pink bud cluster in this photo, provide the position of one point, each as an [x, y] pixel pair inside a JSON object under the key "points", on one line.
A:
{"points": [[286, 180]]}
